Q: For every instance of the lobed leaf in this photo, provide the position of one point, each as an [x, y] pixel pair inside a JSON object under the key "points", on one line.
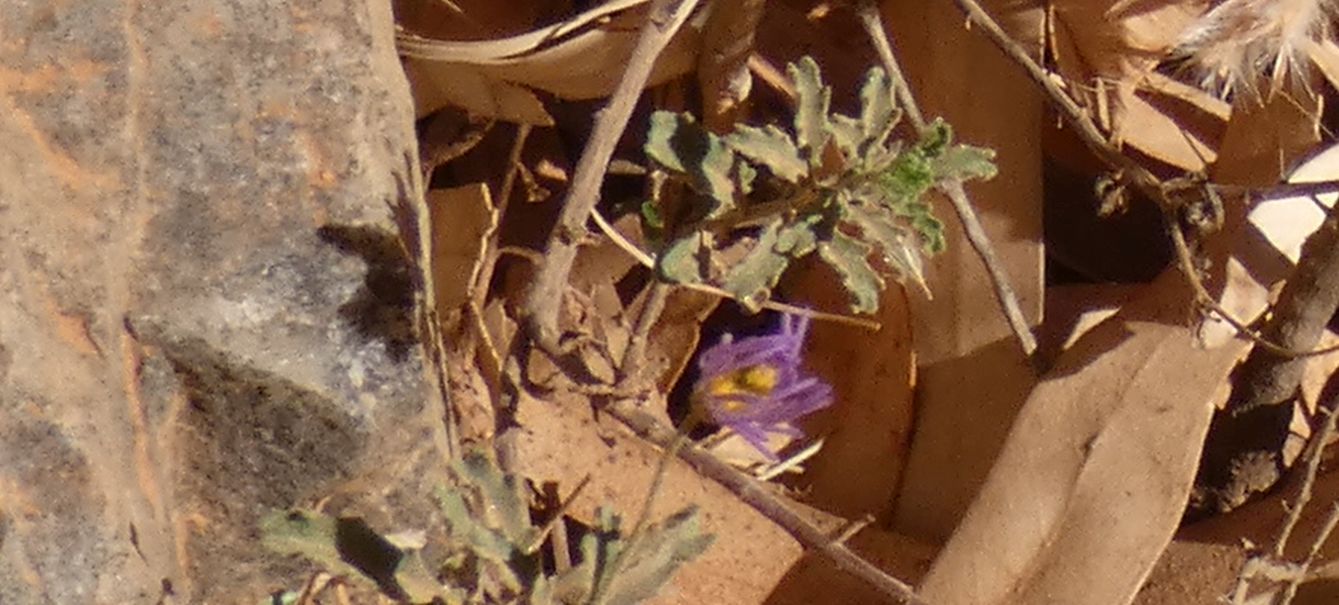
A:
{"points": [[752, 279], [500, 493], [878, 113], [679, 263], [677, 142], [850, 257], [771, 147], [656, 555], [965, 162], [465, 528], [811, 111], [895, 244], [348, 547], [848, 134]]}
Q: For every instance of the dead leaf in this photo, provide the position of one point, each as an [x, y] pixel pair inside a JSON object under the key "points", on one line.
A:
{"points": [[461, 218], [963, 329], [579, 58], [437, 85], [1104, 49], [1263, 141], [1093, 479], [872, 374]]}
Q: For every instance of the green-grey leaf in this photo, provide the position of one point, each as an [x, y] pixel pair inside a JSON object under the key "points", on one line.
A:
{"points": [[965, 162], [500, 493], [744, 176], [465, 527], [909, 177], [678, 143], [798, 238], [418, 583], [656, 556], [651, 215], [326, 541], [679, 263], [896, 245], [811, 111], [848, 135], [752, 279], [878, 113], [936, 138], [849, 257], [306, 533], [771, 147]]}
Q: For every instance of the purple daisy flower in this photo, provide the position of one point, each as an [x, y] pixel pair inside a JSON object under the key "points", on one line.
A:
{"points": [[755, 386]]}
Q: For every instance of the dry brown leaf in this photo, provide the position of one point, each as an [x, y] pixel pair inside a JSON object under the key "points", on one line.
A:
{"points": [[1264, 140], [675, 337], [1093, 479], [960, 422], [438, 85], [867, 429], [461, 219], [579, 58], [1325, 56], [723, 73], [1104, 50]]}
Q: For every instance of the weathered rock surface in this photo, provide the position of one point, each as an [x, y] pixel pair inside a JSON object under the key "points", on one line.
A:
{"points": [[205, 308]]}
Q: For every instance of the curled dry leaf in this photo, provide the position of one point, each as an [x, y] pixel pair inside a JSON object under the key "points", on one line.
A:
{"points": [[1095, 474], [580, 58], [1107, 51]]}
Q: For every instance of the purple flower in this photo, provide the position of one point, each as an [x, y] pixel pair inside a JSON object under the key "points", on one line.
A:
{"points": [[755, 386]]}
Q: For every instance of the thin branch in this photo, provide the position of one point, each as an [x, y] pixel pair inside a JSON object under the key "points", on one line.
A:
{"points": [[868, 12], [1312, 456], [1130, 173], [1331, 520], [976, 234], [545, 299], [635, 355], [753, 493], [999, 278]]}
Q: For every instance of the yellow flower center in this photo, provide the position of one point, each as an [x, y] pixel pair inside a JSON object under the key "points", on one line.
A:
{"points": [[758, 380]]}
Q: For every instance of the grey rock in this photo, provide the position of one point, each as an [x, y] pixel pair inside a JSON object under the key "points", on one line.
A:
{"points": [[209, 294]]}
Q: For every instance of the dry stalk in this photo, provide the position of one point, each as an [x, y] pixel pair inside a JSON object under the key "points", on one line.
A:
{"points": [[545, 298], [976, 234], [774, 507], [1128, 172]]}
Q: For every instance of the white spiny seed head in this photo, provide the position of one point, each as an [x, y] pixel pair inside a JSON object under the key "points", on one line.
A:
{"points": [[1239, 44]]}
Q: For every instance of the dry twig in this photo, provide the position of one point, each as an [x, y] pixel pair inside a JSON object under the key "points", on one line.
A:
{"points": [[545, 298], [976, 234], [1129, 172], [769, 505]]}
